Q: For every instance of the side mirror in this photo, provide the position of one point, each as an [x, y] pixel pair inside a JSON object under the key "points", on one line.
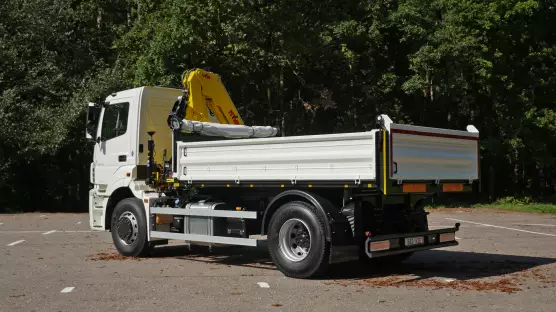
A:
{"points": [[92, 121]]}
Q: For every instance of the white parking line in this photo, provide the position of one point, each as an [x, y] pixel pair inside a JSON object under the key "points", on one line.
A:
{"points": [[42, 216], [457, 238], [522, 224], [49, 232], [263, 285], [16, 242], [502, 227], [1, 223], [8, 232], [79, 231], [79, 222], [67, 290]]}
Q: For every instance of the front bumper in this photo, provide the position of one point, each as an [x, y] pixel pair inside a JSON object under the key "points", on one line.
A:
{"points": [[393, 244]]}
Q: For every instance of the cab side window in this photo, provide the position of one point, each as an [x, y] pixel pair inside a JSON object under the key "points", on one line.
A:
{"points": [[114, 122]]}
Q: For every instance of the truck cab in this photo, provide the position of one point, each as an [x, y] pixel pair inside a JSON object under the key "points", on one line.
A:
{"points": [[120, 127]]}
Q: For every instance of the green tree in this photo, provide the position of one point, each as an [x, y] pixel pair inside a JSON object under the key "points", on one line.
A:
{"points": [[47, 48], [306, 67]]}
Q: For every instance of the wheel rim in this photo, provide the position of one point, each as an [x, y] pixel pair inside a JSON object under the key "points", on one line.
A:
{"points": [[127, 228], [295, 240]]}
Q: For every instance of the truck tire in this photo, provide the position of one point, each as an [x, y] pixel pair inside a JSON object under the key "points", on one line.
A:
{"points": [[297, 240], [129, 228]]}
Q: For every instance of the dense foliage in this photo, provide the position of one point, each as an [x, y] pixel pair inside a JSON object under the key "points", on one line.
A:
{"points": [[305, 66]]}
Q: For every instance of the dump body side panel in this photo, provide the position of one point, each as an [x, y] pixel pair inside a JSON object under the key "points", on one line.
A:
{"points": [[337, 157]]}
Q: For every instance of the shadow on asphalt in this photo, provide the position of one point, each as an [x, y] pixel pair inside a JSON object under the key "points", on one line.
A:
{"points": [[427, 264], [458, 265], [228, 255]]}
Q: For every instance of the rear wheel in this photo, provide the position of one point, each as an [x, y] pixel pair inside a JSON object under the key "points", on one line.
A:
{"points": [[297, 240], [129, 228]]}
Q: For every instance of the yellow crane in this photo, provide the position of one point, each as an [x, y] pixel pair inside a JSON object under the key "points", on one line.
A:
{"points": [[205, 99]]}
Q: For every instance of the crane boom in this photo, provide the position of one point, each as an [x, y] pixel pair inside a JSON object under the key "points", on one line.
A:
{"points": [[205, 99]]}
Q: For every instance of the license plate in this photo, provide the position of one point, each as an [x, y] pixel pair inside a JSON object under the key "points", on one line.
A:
{"points": [[413, 241]]}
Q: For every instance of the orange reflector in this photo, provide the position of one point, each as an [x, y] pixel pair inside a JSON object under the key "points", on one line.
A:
{"points": [[368, 233], [146, 201], [447, 237], [164, 219], [414, 188], [458, 187], [380, 245], [238, 208]]}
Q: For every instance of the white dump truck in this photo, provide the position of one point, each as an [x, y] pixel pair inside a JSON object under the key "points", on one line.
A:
{"points": [[161, 172]]}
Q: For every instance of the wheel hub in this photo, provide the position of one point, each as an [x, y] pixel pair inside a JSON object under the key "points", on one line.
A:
{"points": [[295, 240], [127, 228]]}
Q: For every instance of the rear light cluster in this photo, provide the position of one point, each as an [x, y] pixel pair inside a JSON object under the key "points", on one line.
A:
{"points": [[447, 237], [380, 245]]}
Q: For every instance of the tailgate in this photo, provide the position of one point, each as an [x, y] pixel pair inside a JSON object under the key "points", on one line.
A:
{"points": [[432, 154]]}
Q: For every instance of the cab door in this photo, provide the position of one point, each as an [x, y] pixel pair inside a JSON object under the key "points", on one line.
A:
{"points": [[113, 142]]}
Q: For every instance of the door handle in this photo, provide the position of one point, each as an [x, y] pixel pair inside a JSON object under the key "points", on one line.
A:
{"points": [[122, 158]]}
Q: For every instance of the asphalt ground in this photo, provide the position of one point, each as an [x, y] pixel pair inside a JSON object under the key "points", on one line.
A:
{"points": [[506, 261]]}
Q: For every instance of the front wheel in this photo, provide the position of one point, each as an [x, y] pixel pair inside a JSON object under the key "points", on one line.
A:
{"points": [[297, 240], [129, 228]]}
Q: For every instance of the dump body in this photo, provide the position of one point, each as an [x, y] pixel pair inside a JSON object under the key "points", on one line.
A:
{"points": [[396, 154]]}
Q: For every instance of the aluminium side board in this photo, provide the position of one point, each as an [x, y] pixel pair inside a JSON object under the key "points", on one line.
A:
{"points": [[346, 157]]}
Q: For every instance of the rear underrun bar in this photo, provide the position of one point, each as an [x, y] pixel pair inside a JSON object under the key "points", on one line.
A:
{"points": [[393, 244]]}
